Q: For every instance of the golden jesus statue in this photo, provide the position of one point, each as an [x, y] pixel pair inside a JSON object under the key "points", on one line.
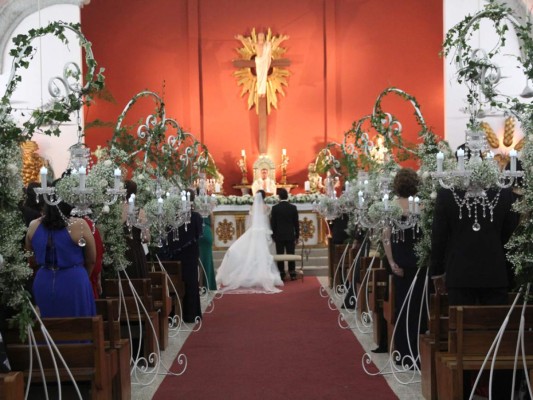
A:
{"points": [[262, 74]]}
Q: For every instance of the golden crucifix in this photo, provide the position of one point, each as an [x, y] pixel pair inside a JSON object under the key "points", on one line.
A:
{"points": [[262, 74]]}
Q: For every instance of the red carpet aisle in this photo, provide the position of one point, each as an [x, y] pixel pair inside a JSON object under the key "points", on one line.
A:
{"points": [[277, 346]]}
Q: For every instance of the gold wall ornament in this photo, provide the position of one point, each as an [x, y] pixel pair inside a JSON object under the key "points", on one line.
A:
{"points": [[247, 76], [493, 140], [307, 229], [225, 231], [31, 162], [508, 132]]}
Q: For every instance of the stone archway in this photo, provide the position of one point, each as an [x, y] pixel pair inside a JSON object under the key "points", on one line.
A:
{"points": [[12, 12]]}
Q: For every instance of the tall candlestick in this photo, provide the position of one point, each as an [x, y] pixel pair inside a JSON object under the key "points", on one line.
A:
{"points": [[82, 174], [461, 160], [131, 204], [417, 205], [386, 201], [44, 177], [307, 186], [217, 187], [440, 161], [243, 153], [283, 152], [411, 204], [117, 174], [160, 206], [183, 202], [513, 154], [361, 199]]}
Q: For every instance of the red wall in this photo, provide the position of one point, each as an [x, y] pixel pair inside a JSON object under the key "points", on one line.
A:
{"points": [[343, 54]]}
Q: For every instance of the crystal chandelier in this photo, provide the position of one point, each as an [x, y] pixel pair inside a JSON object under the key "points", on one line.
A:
{"points": [[203, 202], [470, 178]]}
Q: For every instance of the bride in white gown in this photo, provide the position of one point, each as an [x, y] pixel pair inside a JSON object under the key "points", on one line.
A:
{"points": [[248, 263]]}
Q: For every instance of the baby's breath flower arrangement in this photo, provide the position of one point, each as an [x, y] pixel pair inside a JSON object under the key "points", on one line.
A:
{"points": [[520, 247], [14, 269], [377, 212]]}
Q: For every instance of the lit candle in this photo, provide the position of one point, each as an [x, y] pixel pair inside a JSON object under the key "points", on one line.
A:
{"points": [[44, 176], [243, 153], [346, 186], [440, 161], [160, 206], [131, 204], [118, 173], [411, 201], [307, 186], [361, 199], [461, 159], [513, 154], [386, 201], [417, 205], [217, 187], [183, 202], [82, 174], [283, 152]]}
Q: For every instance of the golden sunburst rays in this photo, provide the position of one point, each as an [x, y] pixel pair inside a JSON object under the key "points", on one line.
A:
{"points": [[278, 74]]}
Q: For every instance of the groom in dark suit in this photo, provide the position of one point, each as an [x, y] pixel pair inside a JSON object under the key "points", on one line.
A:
{"points": [[285, 230]]}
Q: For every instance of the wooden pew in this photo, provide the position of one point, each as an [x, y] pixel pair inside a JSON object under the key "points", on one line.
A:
{"points": [[162, 303], [12, 386], [118, 347], [143, 287], [177, 289], [472, 330], [359, 290], [389, 309], [80, 342], [379, 281], [436, 339], [335, 254]]}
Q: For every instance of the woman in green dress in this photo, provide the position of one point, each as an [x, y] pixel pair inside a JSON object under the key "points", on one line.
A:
{"points": [[206, 254]]}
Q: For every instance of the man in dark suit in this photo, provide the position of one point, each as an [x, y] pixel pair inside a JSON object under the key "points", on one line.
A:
{"points": [[285, 230], [470, 264]]}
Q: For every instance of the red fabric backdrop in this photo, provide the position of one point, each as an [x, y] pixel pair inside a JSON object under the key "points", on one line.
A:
{"points": [[343, 54]]}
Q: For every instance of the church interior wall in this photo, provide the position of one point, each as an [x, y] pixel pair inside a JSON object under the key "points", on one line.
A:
{"points": [[377, 44], [343, 53]]}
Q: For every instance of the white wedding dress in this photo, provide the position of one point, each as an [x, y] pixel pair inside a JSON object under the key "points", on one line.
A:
{"points": [[248, 265]]}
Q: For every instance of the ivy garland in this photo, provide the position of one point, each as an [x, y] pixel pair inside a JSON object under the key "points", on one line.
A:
{"points": [[472, 68], [14, 269], [520, 246]]}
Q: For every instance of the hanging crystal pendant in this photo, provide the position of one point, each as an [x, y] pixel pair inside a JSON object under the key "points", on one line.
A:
{"points": [[476, 227], [82, 242]]}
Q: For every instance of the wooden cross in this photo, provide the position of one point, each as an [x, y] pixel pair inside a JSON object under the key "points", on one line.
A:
{"points": [[262, 101]]}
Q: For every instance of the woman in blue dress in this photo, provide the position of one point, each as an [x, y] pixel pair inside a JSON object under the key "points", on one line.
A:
{"points": [[65, 252]]}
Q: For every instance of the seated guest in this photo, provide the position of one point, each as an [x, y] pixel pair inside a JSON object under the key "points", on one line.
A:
{"points": [[65, 252], [187, 250], [31, 208], [135, 238]]}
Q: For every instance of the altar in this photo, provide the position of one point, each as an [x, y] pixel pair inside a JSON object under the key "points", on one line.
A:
{"points": [[229, 223]]}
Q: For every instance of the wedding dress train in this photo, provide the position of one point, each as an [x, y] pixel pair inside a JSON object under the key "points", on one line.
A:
{"points": [[248, 265]]}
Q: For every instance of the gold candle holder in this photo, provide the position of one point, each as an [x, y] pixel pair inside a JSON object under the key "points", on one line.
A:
{"points": [[284, 164], [244, 170]]}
